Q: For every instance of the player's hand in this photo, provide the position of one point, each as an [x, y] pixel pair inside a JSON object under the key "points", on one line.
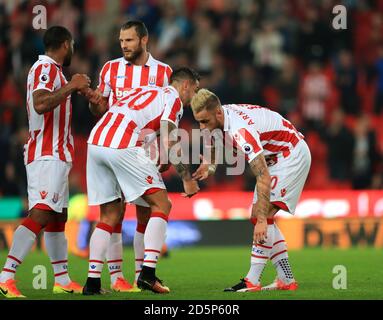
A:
{"points": [[80, 82], [260, 232], [203, 170], [94, 96], [191, 188], [201, 173]]}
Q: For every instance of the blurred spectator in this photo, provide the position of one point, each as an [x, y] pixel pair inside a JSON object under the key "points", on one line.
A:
{"points": [[287, 85], [313, 37], [15, 175], [365, 155], [340, 145], [379, 89], [315, 92], [68, 16], [249, 89], [205, 42], [172, 26], [267, 47], [346, 81]]}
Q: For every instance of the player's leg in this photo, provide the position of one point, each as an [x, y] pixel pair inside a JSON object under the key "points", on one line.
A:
{"points": [[290, 177], [99, 243], [143, 216], [154, 239], [57, 248], [46, 196], [23, 240], [280, 260], [260, 254], [103, 190], [114, 258]]}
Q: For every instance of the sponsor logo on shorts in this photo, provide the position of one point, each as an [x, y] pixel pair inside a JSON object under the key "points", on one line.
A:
{"points": [[43, 194], [55, 197], [283, 192], [149, 179]]}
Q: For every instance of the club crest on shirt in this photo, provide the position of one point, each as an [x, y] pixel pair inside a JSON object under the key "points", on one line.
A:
{"points": [[283, 192], [44, 78], [152, 80]]}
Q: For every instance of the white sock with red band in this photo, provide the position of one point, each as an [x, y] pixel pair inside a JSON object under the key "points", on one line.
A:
{"points": [[98, 246], [260, 254], [154, 238], [114, 254], [280, 258], [57, 248], [23, 240], [139, 248]]}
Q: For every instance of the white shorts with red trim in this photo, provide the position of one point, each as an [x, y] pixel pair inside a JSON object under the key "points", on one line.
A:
{"points": [[288, 177], [48, 184], [112, 171]]}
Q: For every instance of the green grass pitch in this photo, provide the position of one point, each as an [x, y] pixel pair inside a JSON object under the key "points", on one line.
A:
{"points": [[201, 273]]}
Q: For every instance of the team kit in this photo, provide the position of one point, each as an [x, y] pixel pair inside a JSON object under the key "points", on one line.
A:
{"points": [[139, 102]]}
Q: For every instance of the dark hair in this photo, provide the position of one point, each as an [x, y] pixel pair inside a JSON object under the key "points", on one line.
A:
{"points": [[184, 73], [140, 27], [55, 36]]}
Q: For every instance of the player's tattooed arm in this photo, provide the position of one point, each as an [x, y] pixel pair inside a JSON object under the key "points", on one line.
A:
{"points": [[261, 172], [169, 141], [45, 101]]}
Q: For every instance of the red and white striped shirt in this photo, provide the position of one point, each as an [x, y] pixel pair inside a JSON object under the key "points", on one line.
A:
{"points": [[118, 76], [256, 129], [50, 134], [135, 119]]}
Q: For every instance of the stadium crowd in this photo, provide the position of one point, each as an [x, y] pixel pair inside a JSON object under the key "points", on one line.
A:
{"points": [[284, 55]]}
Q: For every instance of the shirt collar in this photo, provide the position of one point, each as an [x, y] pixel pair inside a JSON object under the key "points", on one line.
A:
{"points": [[49, 59], [150, 62]]}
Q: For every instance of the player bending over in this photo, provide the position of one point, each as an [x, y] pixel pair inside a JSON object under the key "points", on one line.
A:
{"points": [[117, 163], [280, 161]]}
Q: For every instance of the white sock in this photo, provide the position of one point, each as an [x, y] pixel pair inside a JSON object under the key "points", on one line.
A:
{"points": [[114, 257], [280, 258], [139, 249], [154, 238], [98, 246], [57, 248], [23, 240], [260, 254]]}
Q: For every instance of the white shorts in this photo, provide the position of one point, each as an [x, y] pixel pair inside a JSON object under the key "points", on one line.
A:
{"points": [[48, 184], [110, 171], [288, 177]]}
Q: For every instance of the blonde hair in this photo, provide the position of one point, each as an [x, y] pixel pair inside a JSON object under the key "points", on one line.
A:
{"points": [[204, 99]]}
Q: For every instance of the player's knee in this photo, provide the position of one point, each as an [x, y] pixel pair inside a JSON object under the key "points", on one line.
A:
{"points": [[111, 219], [164, 206]]}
